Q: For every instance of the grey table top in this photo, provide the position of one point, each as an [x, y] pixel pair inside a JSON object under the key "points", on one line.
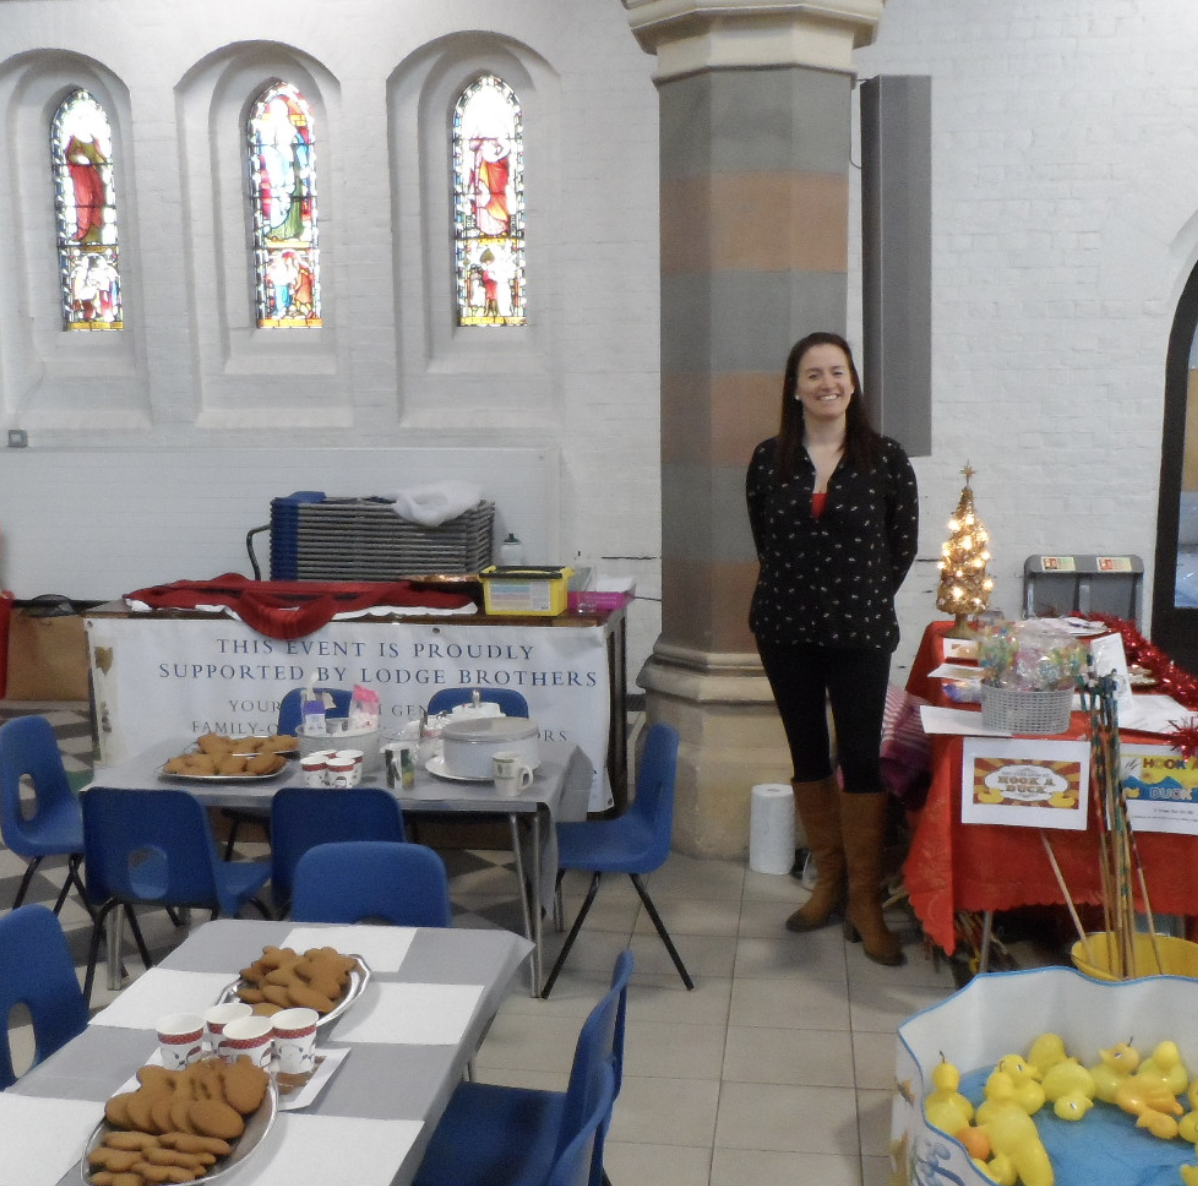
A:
{"points": [[562, 784], [384, 1080]]}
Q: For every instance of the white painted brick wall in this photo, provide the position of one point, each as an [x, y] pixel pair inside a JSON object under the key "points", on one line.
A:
{"points": [[589, 388], [1065, 188]]}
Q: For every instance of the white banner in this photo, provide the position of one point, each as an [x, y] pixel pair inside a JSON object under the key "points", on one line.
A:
{"points": [[154, 678]]}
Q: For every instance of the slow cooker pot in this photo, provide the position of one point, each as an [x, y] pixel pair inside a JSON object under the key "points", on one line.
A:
{"points": [[470, 744]]}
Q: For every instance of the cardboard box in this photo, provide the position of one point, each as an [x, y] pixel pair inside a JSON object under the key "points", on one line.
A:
{"points": [[47, 657]]}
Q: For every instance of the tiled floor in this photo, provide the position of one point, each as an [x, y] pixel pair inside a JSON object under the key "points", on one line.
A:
{"points": [[776, 1069]]}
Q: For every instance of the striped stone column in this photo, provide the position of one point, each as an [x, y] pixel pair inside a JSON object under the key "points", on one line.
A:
{"points": [[755, 137]]}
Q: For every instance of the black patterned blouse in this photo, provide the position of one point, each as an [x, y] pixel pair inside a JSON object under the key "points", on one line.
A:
{"points": [[831, 581]]}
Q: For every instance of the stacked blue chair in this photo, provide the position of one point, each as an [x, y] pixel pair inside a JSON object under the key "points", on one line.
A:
{"points": [[511, 702], [303, 817], [291, 709], [635, 843], [156, 848], [55, 826], [492, 1135], [355, 881], [37, 971]]}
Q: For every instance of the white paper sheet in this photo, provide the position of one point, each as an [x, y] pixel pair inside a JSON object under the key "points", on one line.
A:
{"points": [[411, 1014], [958, 722], [383, 948], [161, 991], [305, 1150], [41, 1139], [1154, 713]]}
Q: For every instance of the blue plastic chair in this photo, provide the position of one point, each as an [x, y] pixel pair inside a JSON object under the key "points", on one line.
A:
{"points": [[289, 720], [55, 827], [156, 848], [511, 702], [357, 880], [635, 843], [516, 1136], [303, 817], [37, 971]]}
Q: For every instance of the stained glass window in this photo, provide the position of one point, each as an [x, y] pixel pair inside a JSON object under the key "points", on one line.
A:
{"points": [[283, 203], [488, 190], [85, 208]]}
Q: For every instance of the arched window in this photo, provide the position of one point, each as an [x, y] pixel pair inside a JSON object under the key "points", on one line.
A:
{"points": [[488, 192], [283, 204], [85, 207]]}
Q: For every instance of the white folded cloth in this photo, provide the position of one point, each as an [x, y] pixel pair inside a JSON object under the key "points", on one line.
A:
{"points": [[437, 502]]}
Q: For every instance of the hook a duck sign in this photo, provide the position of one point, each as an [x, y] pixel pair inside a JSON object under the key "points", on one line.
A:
{"points": [[1025, 783]]}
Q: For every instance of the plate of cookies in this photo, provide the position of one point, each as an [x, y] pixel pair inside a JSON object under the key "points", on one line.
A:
{"points": [[188, 1125], [320, 978], [216, 758]]}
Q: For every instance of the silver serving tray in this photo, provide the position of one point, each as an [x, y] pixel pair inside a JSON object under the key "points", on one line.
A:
{"points": [[358, 980], [222, 778], [257, 1126]]}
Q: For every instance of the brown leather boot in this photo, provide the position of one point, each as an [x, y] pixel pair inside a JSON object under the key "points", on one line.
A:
{"points": [[819, 811], [863, 824]]}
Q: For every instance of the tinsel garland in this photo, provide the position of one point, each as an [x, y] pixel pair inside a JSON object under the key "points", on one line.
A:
{"points": [[1170, 678]]}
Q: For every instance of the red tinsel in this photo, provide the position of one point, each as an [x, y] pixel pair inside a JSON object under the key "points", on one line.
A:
{"points": [[1170, 678]]}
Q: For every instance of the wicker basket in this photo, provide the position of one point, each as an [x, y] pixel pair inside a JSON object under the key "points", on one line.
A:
{"points": [[1026, 712]]}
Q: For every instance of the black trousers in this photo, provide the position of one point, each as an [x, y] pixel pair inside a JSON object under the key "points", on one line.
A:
{"points": [[806, 678]]}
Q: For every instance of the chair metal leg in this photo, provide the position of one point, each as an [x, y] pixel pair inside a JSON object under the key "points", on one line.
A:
{"points": [[142, 949], [559, 905], [23, 888], [588, 901], [661, 930], [93, 949], [234, 825], [534, 969]]}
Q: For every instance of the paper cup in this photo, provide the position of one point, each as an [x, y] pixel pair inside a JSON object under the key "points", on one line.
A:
{"points": [[216, 1018], [341, 770], [250, 1036], [295, 1041], [313, 767], [180, 1039]]}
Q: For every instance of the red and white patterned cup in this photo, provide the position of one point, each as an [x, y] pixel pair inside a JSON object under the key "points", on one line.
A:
{"points": [[250, 1036], [180, 1039], [216, 1018], [295, 1041]]}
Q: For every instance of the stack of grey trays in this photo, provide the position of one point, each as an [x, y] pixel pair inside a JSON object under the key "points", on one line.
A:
{"points": [[365, 539]]}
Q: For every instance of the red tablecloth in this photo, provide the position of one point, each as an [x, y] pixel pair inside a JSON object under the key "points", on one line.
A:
{"points": [[979, 867]]}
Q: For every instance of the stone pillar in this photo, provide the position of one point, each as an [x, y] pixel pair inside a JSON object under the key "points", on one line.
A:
{"points": [[755, 136]]}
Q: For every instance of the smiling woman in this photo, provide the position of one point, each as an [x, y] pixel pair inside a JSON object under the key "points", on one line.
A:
{"points": [[833, 508]]}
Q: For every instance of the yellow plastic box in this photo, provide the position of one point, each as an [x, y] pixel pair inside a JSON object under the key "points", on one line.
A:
{"points": [[525, 589]]}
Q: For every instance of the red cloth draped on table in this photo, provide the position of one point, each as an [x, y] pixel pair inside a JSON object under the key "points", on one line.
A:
{"points": [[291, 609], [979, 867]]}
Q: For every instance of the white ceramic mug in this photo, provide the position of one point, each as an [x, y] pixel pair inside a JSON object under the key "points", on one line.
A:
{"points": [[216, 1018], [510, 772], [294, 1041], [250, 1036], [180, 1039]]}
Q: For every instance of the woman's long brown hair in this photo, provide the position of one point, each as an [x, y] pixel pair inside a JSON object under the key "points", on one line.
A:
{"points": [[860, 438]]}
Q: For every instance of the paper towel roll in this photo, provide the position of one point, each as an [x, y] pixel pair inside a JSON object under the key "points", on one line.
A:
{"points": [[772, 828]]}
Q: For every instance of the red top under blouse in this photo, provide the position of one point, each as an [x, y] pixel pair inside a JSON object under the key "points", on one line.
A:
{"points": [[817, 504]]}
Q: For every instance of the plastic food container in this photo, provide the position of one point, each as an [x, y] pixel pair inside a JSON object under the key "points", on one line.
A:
{"points": [[525, 590], [469, 745]]}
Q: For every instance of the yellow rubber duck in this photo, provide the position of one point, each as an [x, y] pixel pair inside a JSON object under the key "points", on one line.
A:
{"points": [[1164, 1064], [1117, 1063], [1013, 1133], [1073, 1106], [1187, 1127], [1046, 1051], [1068, 1078], [1029, 1094], [945, 1107], [1001, 1169], [1157, 1123], [1189, 1174], [1065, 799], [987, 795]]}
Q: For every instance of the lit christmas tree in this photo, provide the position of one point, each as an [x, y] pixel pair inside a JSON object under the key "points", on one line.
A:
{"points": [[964, 586]]}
